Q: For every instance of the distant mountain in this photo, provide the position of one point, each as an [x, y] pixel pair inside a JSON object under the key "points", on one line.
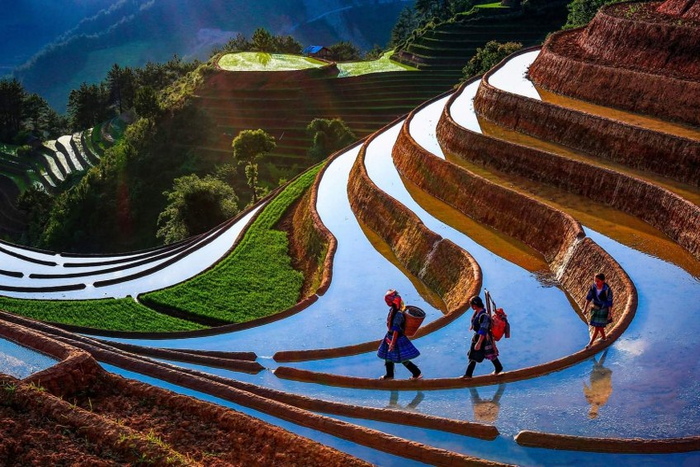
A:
{"points": [[132, 32], [28, 25]]}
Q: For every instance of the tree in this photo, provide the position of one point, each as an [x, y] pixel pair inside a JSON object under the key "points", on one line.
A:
{"points": [[37, 204], [287, 45], [406, 23], [344, 51], [488, 56], [581, 12], [328, 136], [88, 105], [41, 120], [12, 96], [195, 205], [248, 147], [146, 103], [375, 53], [122, 87], [262, 40]]}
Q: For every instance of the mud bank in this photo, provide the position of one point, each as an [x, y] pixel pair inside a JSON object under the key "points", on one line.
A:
{"points": [[444, 267], [561, 67], [311, 244], [664, 210], [687, 9], [634, 35], [661, 153], [617, 445], [75, 368]]}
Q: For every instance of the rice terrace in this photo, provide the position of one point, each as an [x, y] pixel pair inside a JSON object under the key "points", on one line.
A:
{"points": [[218, 251]]}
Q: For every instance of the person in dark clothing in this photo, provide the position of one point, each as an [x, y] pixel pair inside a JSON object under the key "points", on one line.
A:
{"points": [[482, 345], [396, 347], [601, 295]]}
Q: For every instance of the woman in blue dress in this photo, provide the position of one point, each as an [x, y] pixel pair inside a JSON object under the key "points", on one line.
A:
{"points": [[396, 347]]}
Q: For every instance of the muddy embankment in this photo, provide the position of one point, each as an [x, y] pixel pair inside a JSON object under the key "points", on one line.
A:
{"points": [[539, 439], [75, 368], [686, 9], [562, 69], [634, 35], [311, 245], [661, 153], [573, 259], [441, 265], [664, 210]]}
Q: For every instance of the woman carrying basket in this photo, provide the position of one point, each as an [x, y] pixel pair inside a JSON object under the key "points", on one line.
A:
{"points": [[482, 345], [395, 347]]}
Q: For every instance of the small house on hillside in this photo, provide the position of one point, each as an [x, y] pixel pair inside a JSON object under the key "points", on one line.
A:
{"points": [[317, 51]]}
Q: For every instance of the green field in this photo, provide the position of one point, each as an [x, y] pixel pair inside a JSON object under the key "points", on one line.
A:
{"points": [[261, 61], [256, 280], [380, 65], [112, 314]]}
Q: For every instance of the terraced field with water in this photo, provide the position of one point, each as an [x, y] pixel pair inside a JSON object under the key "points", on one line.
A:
{"points": [[499, 185]]}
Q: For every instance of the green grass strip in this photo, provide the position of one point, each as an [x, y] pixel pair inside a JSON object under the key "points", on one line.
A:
{"points": [[256, 280], [496, 5], [111, 314], [380, 65]]}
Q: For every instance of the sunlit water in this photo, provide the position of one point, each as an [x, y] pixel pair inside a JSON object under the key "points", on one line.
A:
{"points": [[22, 362], [185, 268]]}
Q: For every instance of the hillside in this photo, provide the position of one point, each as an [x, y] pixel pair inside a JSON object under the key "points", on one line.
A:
{"points": [[134, 32]]}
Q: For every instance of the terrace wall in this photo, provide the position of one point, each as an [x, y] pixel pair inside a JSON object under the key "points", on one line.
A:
{"points": [[444, 267], [490, 204], [559, 70], [661, 153], [311, 242], [631, 41], [664, 210]]}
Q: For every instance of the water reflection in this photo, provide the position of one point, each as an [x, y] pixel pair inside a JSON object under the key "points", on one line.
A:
{"points": [[486, 410], [598, 393], [394, 401]]}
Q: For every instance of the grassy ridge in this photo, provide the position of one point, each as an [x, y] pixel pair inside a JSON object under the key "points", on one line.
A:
{"points": [[256, 280], [111, 314]]}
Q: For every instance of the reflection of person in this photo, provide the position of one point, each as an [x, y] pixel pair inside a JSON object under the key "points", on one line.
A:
{"points": [[601, 315], [601, 386], [394, 401], [486, 410], [395, 347], [481, 323]]}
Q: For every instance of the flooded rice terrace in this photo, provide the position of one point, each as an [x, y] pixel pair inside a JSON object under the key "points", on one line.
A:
{"points": [[645, 385]]}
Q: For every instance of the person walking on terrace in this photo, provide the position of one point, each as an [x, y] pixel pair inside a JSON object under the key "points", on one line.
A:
{"points": [[482, 345], [396, 347], [601, 295]]}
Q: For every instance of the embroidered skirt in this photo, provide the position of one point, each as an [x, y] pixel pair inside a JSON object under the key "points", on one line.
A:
{"points": [[403, 351]]}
